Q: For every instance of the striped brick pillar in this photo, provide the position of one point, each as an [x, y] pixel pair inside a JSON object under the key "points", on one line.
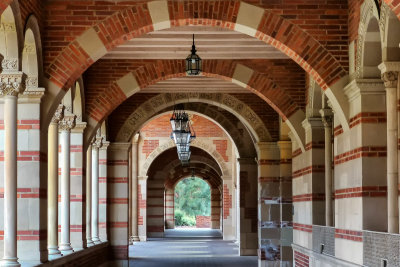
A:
{"points": [[155, 207], [286, 211], [269, 205], [169, 209], [228, 218], [359, 166], [103, 191], [142, 207], [117, 171], [134, 189], [215, 208], [77, 186], [248, 207], [308, 182]]}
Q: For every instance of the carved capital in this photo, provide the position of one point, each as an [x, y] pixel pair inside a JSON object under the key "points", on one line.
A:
{"points": [[67, 123], [390, 78], [10, 64], [327, 117], [58, 115], [12, 84], [97, 142]]}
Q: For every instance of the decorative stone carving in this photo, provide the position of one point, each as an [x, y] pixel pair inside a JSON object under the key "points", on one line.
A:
{"points": [[327, 117], [97, 142], [32, 82], [12, 83], [8, 27], [58, 115], [29, 48], [390, 78], [67, 123], [10, 64]]}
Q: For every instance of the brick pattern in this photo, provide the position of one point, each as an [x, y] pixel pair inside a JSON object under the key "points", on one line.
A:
{"points": [[149, 146], [301, 260], [368, 117], [364, 191], [28, 235], [349, 235], [227, 202], [361, 152], [302, 227], [203, 221], [308, 170], [309, 197], [221, 146], [395, 6], [24, 124], [23, 192]]}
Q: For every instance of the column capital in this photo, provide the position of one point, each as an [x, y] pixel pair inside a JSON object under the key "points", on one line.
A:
{"points": [[12, 84], [105, 144], [97, 142], [285, 145], [389, 73], [58, 115], [141, 178], [79, 127], [136, 138], [327, 117], [67, 123]]}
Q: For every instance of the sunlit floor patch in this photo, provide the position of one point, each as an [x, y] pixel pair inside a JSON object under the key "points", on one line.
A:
{"points": [[188, 248]]}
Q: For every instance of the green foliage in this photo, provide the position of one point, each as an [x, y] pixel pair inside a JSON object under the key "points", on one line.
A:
{"points": [[192, 197]]}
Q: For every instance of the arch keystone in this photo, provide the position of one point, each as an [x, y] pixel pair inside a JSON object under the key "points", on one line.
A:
{"points": [[242, 75], [91, 43], [159, 15], [128, 84], [248, 19]]}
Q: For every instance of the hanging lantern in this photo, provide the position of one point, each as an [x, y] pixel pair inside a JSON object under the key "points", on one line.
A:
{"points": [[193, 62]]}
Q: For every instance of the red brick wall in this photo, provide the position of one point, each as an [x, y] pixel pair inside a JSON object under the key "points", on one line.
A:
{"points": [[221, 146], [203, 221], [149, 146], [161, 127]]}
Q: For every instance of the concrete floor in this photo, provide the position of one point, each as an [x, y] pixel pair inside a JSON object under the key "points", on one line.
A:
{"points": [[188, 247]]}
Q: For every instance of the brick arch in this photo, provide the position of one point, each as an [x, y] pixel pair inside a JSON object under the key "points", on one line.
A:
{"points": [[165, 102], [271, 28], [196, 143], [258, 83], [394, 6]]}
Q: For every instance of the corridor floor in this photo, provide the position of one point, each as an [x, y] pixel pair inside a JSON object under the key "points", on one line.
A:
{"points": [[188, 247]]}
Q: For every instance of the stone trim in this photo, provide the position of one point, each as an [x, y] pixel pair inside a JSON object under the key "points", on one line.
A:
{"points": [[365, 152], [367, 117], [364, 191], [302, 227], [308, 170], [309, 197], [117, 180], [349, 235]]}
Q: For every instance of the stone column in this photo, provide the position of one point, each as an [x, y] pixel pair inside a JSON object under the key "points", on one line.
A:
{"points": [[65, 125], [215, 208], [77, 185], [95, 190], [390, 79], [248, 207], [327, 117], [10, 86], [134, 189], [89, 241], [117, 169], [103, 190], [52, 185], [169, 209]]}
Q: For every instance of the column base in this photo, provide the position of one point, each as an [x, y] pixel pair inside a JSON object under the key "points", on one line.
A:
{"points": [[134, 238], [89, 243], [96, 240], [66, 249], [10, 262], [54, 253]]}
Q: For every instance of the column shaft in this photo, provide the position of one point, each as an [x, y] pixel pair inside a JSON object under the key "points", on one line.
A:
{"points": [[65, 245], [134, 193], [52, 191], [89, 241], [392, 173], [95, 194], [10, 181]]}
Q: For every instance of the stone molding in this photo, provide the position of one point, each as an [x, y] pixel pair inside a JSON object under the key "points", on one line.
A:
{"points": [[327, 117], [119, 146], [67, 123], [390, 79], [58, 115], [105, 144], [79, 127], [358, 87], [9, 64], [12, 84]]}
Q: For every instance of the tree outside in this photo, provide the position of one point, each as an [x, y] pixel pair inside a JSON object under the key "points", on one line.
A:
{"points": [[192, 197]]}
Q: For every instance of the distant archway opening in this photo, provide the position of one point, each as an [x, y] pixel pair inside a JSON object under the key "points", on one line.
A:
{"points": [[192, 203]]}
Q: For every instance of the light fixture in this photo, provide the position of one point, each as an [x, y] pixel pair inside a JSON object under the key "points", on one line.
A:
{"points": [[182, 133], [193, 62]]}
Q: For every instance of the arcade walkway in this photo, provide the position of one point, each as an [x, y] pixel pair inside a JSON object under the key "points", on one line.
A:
{"points": [[188, 247]]}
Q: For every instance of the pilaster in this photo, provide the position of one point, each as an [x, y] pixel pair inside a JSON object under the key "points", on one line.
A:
{"points": [[103, 190]]}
